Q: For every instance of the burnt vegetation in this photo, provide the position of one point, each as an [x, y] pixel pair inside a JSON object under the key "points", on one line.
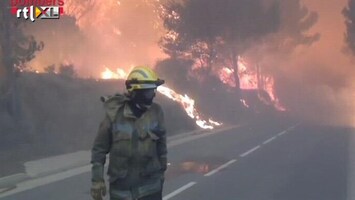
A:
{"points": [[202, 37], [58, 111]]}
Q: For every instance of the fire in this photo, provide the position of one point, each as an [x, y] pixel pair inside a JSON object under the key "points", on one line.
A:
{"points": [[244, 103], [108, 74], [249, 80], [189, 106], [225, 75], [185, 101]]}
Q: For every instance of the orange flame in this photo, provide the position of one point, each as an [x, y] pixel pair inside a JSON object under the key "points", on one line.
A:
{"points": [[185, 101], [189, 106], [108, 74], [249, 80], [244, 103]]}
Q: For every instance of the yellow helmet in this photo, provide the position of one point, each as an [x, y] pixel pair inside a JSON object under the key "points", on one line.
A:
{"points": [[142, 77]]}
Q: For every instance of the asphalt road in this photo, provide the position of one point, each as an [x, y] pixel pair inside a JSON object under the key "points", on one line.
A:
{"points": [[274, 159]]}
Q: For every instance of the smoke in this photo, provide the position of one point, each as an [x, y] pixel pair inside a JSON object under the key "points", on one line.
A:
{"points": [[349, 13], [314, 78], [96, 34]]}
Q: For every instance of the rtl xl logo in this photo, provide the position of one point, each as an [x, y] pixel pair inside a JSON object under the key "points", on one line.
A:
{"points": [[41, 10]]}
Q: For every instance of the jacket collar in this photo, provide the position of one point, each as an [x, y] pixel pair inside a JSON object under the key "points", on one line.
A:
{"points": [[127, 112]]}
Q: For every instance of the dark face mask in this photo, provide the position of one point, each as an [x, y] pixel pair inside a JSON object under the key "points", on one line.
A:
{"points": [[143, 97]]}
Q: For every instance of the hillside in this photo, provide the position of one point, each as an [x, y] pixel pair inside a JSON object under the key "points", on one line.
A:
{"points": [[61, 115]]}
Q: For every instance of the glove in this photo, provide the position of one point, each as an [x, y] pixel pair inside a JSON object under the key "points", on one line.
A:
{"points": [[98, 190]]}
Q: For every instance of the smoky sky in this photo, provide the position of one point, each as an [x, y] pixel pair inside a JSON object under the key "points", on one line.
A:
{"points": [[96, 34], [316, 80], [349, 13], [123, 33]]}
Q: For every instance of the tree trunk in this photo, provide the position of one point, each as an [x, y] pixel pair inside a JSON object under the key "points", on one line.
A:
{"points": [[236, 70], [258, 75], [238, 103]]}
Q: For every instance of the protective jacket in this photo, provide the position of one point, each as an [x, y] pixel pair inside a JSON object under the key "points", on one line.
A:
{"points": [[136, 146]]}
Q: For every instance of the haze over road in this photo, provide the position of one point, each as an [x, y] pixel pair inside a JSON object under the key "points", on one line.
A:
{"points": [[274, 159]]}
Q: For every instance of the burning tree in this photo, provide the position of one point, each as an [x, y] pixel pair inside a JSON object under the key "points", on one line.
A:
{"points": [[214, 33], [16, 49]]}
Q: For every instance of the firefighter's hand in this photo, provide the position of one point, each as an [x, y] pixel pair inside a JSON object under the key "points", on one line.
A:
{"points": [[98, 190]]}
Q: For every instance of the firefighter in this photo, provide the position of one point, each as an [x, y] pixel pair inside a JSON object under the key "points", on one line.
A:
{"points": [[134, 135]]}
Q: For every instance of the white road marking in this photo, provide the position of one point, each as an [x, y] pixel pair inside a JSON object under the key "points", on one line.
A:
{"points": [[220, 167], [269, 140], [250, 151], [293, 127], [37, 182], [190, 137], [33, 183], [282, 133], [176, 192], [4, 189]]}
